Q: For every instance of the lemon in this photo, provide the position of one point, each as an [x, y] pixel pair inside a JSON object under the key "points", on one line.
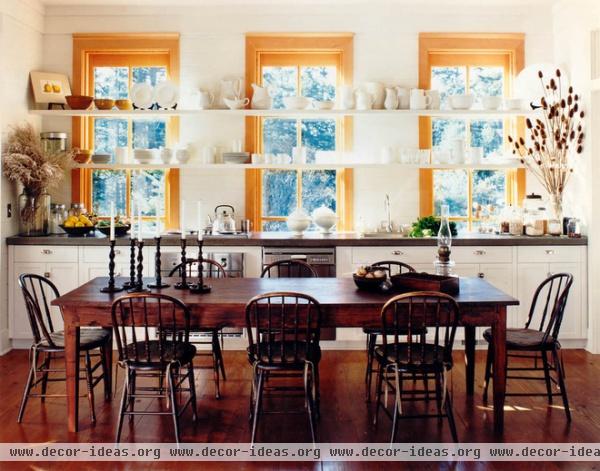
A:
{"points": [[69, 223], [79, 224]]}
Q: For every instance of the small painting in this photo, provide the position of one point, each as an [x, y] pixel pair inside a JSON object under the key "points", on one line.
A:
{"points": [[50, 87]]}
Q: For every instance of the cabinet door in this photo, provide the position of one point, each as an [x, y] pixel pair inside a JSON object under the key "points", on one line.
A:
{"points": [[573, 323], [529, 277], [466, 269], [89, 271], [65, 277], [19, 321], [500, 275]]}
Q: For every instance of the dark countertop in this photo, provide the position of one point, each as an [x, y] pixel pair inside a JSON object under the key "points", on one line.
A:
{"points": [[285, 239]]}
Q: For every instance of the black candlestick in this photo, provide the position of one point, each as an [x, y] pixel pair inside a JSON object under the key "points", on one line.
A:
{"points": [[131, 282], [111, 288], [183, 284], [138, 287], [157, 272], [200, 287]]}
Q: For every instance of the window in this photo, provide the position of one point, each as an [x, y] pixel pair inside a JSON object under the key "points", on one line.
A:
{"points": [[457, 64], [313, 72], [109, 73]]}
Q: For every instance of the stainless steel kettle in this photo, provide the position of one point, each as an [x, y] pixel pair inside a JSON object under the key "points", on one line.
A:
{"points": [[224, 221]]}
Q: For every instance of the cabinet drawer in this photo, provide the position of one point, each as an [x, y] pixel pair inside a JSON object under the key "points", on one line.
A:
{"points": [[410, 255], [482, 254], [100, 254], [45, 253], [549, 254]]}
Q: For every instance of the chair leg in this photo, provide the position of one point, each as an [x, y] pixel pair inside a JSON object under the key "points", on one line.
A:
{"points": [[257, 404], [192, 382], [90, 386], [220, 358], [547, 375], [171, 379], [378, 392], [131, 392], [216, 354], [397, 405], [124, 402], [450, 415], [107, 391], [317, 390], [45, 366], [438, 395], [30, 377], [309, 396], [488, 371], [561, 384], [371, 342]]}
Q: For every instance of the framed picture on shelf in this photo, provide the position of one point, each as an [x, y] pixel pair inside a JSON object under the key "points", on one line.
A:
{"points": [[50, 88]]}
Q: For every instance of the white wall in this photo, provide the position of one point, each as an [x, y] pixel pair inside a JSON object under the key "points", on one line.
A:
{"points": [[21, 27], [212, 46]]}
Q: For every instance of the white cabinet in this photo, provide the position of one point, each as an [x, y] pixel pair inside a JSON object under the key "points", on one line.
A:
{"points": [[93, 262]]}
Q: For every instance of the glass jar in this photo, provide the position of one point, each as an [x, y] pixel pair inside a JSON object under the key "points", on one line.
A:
{"points": [[77, 209], [54, 142], [573, 228], [34, 214], [58, 216], [516, 222], [555, 227]]}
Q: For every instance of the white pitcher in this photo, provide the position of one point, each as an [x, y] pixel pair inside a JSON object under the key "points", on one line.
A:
{"points": [[261, 99], [377, 91], [403, 98], [346, 97], [391, 99], [230, 89], [204, 99], [364, 100]]}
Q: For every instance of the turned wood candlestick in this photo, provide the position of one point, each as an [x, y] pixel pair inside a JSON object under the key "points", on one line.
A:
{"points": [[183, 284], [138, 287], [111, 288], [157, 268], [131, 282], [200, 287]]}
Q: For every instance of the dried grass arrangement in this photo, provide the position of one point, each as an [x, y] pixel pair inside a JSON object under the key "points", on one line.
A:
{"points": [[553, 140]]}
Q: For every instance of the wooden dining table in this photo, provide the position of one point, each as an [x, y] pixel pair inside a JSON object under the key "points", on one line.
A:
{"points": [[343, 305]]}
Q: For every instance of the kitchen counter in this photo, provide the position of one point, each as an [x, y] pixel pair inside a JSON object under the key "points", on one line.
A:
{"points": [[285, 239]]}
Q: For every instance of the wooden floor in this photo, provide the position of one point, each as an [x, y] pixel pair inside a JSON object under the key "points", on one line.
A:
{"points": [[345, 415]]}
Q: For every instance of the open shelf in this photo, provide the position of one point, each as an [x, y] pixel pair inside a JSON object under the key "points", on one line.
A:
{"points": [[156, 166], [283, 113]]}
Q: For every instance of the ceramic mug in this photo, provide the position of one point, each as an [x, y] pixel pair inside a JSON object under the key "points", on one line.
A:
{"points": [[419, 102], [364, 100], [122, 155], [208, 155], [205, 99], [166, 155], [387, 155]]}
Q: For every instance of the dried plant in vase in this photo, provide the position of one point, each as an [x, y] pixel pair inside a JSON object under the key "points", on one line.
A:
{"points": [[554, 139], [25, 162]]}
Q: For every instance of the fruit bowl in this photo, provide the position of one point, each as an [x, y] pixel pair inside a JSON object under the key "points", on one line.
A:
{"points": [[120, 231], [77, 231], [79, 102], [372, 279]]}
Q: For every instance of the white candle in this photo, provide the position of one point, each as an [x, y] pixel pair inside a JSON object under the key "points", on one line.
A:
{"points": [[182, 218], [139, 222], [200, 217], [112, 222]]}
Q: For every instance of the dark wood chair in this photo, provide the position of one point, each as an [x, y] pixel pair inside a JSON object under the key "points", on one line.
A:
{"points": [[210, 269], [393, 268], [406, 315], [283, 336], [289, 269], [538, 339], [49, 343], [134, 317]]}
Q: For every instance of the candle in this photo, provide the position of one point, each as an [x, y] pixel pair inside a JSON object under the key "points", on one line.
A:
{"points": [[112, 221], [200, 225], [182, 216], [139, 222]]}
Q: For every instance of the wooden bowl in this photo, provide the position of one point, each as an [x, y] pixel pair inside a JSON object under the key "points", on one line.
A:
{"points": [[79, 102], [104, 103], [369, 284], [124, 105], [83, 157]]}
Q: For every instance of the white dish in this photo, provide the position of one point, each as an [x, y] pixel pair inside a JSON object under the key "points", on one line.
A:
{"points": [[323, 105], [461, 102], [166, 94], [325, 218], [144, 156], [101, 158], [491, 102], [298, 221], [234, 104], [296, 102], [142, 95], [513, 104]]}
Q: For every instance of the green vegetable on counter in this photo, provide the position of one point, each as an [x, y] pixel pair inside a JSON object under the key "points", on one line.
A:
{"points": [[429, 226]]}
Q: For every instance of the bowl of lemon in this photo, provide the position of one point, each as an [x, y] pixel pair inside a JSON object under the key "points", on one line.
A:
{"points": [[78, 226]]}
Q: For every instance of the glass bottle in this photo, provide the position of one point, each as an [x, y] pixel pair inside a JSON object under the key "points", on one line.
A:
{"points": [[444, 236]]}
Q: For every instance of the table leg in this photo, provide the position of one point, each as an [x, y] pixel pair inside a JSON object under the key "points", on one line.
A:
{"points": [[72, 374], [107, 352], [499, 341], [470, 358]]}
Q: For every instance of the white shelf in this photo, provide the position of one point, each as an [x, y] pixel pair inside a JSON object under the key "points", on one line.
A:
{"points": [[282, 113], [491, 166]]}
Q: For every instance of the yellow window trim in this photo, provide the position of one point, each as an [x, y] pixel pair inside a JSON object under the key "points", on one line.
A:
{"points": [[298, 49], [126, 49], [438, 49]]}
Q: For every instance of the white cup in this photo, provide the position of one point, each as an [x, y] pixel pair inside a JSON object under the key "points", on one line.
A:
{"points": [[419, 102], [166, 155], [208, 155], [205, 99], [122, 155], [435, 99], [236, 145], [457, 151], [403, 98], [475, 155], [386, 155]]}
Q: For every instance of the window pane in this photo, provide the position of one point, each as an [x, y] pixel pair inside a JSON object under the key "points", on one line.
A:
{"points": [[318, 135], [486, 81], [444, 131], [451, 187], [272, 226], [489, 188], [318, 82], [108, 186], [279, 192], [281, 81], [151, 75], [148, 189], [489, 135], [318, 189], [111, 82], [149, 134], [108, 134], [279, 136], [449, 81]]}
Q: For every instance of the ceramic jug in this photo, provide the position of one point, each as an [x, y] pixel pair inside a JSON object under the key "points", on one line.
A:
{"points": [[261, 100], [391, 99], [364, 100], [230, 89], [377, 91], [205, 99], [403, 98]]}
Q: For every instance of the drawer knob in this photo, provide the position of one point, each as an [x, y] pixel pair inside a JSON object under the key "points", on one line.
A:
{"points": [[549, 252], [46, 251], [481, 274], [117, 252], [46, 274], [479, 252], [397, 252]]}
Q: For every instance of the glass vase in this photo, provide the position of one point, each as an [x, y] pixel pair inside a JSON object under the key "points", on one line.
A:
{"points": [[34, 215]]}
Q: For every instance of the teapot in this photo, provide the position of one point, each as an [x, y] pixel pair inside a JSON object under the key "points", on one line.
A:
{"points": [[391, 99], [224, 221], [261, 99], [364, 100]]}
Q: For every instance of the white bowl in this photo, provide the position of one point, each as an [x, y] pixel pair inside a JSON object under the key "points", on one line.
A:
{"points": [[323, 105], [234, 104], [298, 225], [296, 102], [491, 102], [144, 156], [324, 218], [461, 102]]}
